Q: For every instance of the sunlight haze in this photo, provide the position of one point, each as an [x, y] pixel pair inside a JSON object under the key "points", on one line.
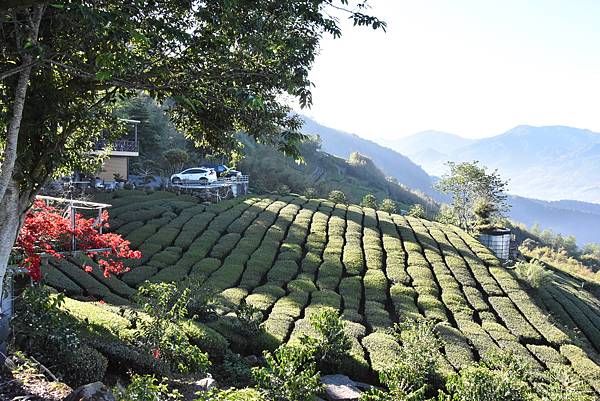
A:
{"points": [[473, 68]]}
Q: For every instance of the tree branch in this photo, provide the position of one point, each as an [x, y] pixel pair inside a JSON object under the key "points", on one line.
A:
{"points": [[8, 4]]}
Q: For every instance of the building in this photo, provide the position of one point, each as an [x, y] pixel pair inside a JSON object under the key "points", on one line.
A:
{"points": [[120, 153]]}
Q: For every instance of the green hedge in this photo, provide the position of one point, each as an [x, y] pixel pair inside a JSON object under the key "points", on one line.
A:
{"points": [[84, 280], [377, 316], [584, 366], [53, 277], [205, 267], [138, 275], [329, 276], [282, 272], [376, 286], [383, 350], [351, 291], [456, 347], [226, 243], [514, 321], [206, 338], [167, 257]]}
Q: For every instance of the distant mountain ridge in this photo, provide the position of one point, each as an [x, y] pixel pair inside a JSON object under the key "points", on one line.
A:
{"points": [[550, 162], [576, 218], [392, 163]]}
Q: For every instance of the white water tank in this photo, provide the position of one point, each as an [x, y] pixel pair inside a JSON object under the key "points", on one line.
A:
{"points": [[498, 240]]}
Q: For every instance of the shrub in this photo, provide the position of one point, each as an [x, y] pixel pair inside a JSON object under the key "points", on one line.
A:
{"points": [[388, 205], [417, 210], [232, 394], [146, 388], [331, 344], [160, 335], [310, 193], [337, 196], [534, 274], [207, 339], [41, 328], [369, 201], [496, 378], [289, 374], [83, 366]]}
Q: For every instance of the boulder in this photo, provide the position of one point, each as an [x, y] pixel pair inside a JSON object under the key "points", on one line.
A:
{"points": [[97, 391], [340, 388]]}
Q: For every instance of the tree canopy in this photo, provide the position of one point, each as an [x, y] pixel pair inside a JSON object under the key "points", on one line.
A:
{"points": [[225, 65], [478, 196]]}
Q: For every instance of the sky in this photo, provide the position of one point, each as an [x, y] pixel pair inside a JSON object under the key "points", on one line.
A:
{"points": [[475, 68]]}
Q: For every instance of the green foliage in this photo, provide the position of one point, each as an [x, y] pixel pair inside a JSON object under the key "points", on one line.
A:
{"points": [[497, 378], [534, 274], [474, 189], [43, 330], [310, 193], [331, 344], [388, 205], [417, 211], [283, 190], [289, 374], [146, 388], [166, 304], [370, 201], [231, 394], [337, 196]]}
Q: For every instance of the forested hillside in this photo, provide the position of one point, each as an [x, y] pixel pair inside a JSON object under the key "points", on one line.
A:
{"points": [[392, 163], [321, 173], [290, 256]]}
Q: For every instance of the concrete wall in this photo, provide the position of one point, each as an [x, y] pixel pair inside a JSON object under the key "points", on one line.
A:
{"points": [[114, 165]]}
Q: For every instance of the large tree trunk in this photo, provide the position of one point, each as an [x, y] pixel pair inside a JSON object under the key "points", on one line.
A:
{"points": [[12, 211], [12, 136], [30, 33]]}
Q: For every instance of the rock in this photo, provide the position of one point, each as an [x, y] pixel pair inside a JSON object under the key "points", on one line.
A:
{"points": [[366, 387], [97, 391], [252, 360], [340, 388], [206, 384]]}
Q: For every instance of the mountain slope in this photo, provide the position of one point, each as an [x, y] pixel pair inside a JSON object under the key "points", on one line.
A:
{"points": [[565, 217], [289, 257], [551, 162], [392, 163], [322, 173]]}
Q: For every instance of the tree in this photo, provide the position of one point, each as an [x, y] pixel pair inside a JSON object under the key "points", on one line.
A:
{"points": [[470, 184], [417, 211], [174, 160], [388, 205], [337, 196], [369, 200], [222, 65]]}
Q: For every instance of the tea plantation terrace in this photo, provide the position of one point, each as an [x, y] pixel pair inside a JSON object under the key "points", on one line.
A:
{"points": [[289, 256]]}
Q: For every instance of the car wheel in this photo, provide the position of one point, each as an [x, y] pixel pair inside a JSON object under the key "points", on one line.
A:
{"points": [[203, 180], [176, 181]]}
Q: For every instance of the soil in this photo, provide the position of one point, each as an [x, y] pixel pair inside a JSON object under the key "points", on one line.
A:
{"points": [[30, 385]]}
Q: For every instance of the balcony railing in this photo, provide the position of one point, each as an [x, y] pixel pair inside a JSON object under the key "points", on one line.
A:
{"points": [[120, 145]]}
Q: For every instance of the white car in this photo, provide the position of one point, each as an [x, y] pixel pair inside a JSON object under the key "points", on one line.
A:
{"points": [[196, 174]]}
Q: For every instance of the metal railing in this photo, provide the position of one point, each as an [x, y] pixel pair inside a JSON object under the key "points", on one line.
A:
{"points": [[120, 145], [221, 182]]}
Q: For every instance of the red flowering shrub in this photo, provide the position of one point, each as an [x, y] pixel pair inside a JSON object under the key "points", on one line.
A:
{"points": [[47, 231]]}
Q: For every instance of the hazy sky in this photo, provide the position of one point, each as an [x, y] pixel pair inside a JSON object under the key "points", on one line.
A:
{"points": [[471, 67]]}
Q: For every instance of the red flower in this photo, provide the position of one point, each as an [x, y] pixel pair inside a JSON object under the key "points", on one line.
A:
{"points": [[156, 353], [46, 230]]}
